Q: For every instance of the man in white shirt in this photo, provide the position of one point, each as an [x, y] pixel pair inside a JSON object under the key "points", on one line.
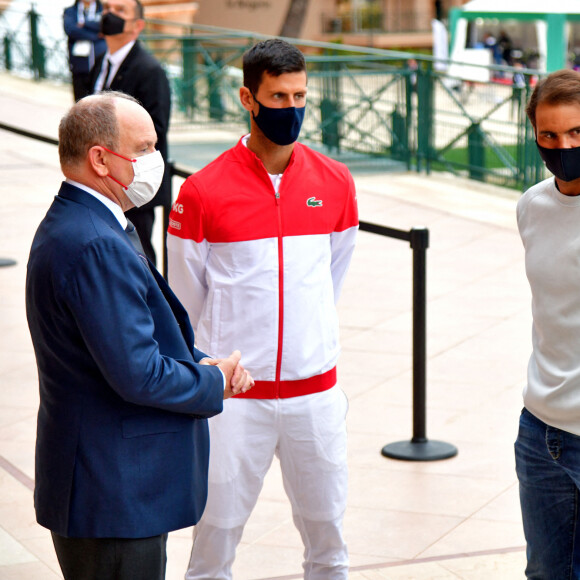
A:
{"points": [[548, 444]]}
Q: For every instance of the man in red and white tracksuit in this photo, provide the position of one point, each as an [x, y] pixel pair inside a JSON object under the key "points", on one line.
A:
{"points": [[259, 244]]}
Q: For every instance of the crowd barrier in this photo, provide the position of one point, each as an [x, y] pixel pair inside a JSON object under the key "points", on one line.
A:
{"points": [[419, 447]]}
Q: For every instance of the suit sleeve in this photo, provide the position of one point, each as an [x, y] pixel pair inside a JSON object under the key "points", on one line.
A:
{"points": [[343, 239], [110, 295], [88, 32]]}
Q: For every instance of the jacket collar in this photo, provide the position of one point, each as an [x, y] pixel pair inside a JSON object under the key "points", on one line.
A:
{"points": [[246, 156], [127, 60], [72, 193]]}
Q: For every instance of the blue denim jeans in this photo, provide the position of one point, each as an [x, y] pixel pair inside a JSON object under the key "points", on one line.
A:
{"points": [[548, 469]]}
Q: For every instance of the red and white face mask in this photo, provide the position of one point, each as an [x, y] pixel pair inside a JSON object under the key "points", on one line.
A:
{"points": [[148, 174]]}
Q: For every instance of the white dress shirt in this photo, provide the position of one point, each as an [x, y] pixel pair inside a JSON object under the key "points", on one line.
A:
{"points": [[116, 60]]}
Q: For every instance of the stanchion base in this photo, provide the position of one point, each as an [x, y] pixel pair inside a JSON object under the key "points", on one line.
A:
{"points": [[7, 262], [421, 451]]}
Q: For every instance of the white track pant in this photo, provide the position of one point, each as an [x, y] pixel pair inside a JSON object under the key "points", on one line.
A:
{"points": [[308, 435]]}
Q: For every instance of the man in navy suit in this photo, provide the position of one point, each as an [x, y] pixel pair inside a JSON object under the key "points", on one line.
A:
{"points": [[138, 73], [122, 440]]}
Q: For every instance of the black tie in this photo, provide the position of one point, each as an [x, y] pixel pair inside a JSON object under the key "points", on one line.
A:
{"points": [[105, 83], [134, 237]]}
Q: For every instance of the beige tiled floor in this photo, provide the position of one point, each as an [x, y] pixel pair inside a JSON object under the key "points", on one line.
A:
{"points": [[457, 518]]}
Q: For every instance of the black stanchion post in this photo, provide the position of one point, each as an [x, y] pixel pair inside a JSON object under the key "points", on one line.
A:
{"points": [[166, 212], [419, 245], [165, 215], [419, 448]]}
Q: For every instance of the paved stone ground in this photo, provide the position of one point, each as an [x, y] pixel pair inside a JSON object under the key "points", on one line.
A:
{"points": [[457, 518]]}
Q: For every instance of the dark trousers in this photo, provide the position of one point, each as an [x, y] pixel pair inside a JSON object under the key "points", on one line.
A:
{"points": [[81, 86], [111, 558], [142, 219]]}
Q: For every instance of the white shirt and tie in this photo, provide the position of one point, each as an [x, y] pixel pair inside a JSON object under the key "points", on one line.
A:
{"points": [[110, 66]]}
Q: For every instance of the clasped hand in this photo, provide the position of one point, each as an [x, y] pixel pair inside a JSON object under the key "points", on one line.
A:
{"points": [[238, 379]]}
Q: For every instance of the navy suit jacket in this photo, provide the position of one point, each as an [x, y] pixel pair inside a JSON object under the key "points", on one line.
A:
{"points": [[142, 76], [122, 440]]}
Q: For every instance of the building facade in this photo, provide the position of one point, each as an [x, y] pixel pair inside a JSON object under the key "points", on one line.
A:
{"points": [[379, 23]]}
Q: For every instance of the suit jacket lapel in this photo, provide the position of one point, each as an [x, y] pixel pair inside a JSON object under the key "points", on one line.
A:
{"points": [[117, 83], [121, 73], [178, 309], [73, 193]]}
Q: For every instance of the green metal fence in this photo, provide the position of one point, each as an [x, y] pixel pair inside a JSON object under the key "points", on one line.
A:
{"points": [[33, 45], [477, 129], [370, 107]]}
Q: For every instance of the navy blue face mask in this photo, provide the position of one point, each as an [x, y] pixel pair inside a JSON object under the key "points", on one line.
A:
{"points": [[281, 126], [563, 163]]}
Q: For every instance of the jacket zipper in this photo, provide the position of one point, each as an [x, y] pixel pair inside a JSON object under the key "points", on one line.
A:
{"points": [[280, 294]]}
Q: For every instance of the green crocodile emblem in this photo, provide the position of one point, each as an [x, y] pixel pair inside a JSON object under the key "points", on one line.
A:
{"points": [[313, 202]]}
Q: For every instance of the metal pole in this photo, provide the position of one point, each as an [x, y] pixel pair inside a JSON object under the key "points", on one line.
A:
{"points": [[419, 245], [36, 47], [419, 448], [7, 53]]}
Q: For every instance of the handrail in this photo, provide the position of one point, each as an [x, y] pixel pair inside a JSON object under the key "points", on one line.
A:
{"points": [[29, 134]]}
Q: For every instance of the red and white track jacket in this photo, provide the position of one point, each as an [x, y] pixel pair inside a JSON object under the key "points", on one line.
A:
{"points": [[261, 271]]}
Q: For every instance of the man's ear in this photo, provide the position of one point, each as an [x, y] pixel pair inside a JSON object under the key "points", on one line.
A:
{"points": [[139, 25], [96, 160], [247, 99]]}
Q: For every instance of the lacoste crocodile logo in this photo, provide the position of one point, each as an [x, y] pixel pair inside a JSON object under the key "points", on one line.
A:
{"points": [[313, 202]]}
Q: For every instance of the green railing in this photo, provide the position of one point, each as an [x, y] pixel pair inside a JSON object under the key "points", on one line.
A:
{"points": [[367, 107], [33, 44], [477, 129]]}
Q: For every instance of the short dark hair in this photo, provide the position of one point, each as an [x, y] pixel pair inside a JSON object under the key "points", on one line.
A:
{"points": [[274, 57], [560, 87], [89, 122], [139, 11]]}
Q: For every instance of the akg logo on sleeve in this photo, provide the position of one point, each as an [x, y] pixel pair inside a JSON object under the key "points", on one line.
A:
{"points": [[178, 209], [313, 202]]}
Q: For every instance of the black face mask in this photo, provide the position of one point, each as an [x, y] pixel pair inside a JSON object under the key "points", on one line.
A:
{"points": [[111, 24], [563, 163]]}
